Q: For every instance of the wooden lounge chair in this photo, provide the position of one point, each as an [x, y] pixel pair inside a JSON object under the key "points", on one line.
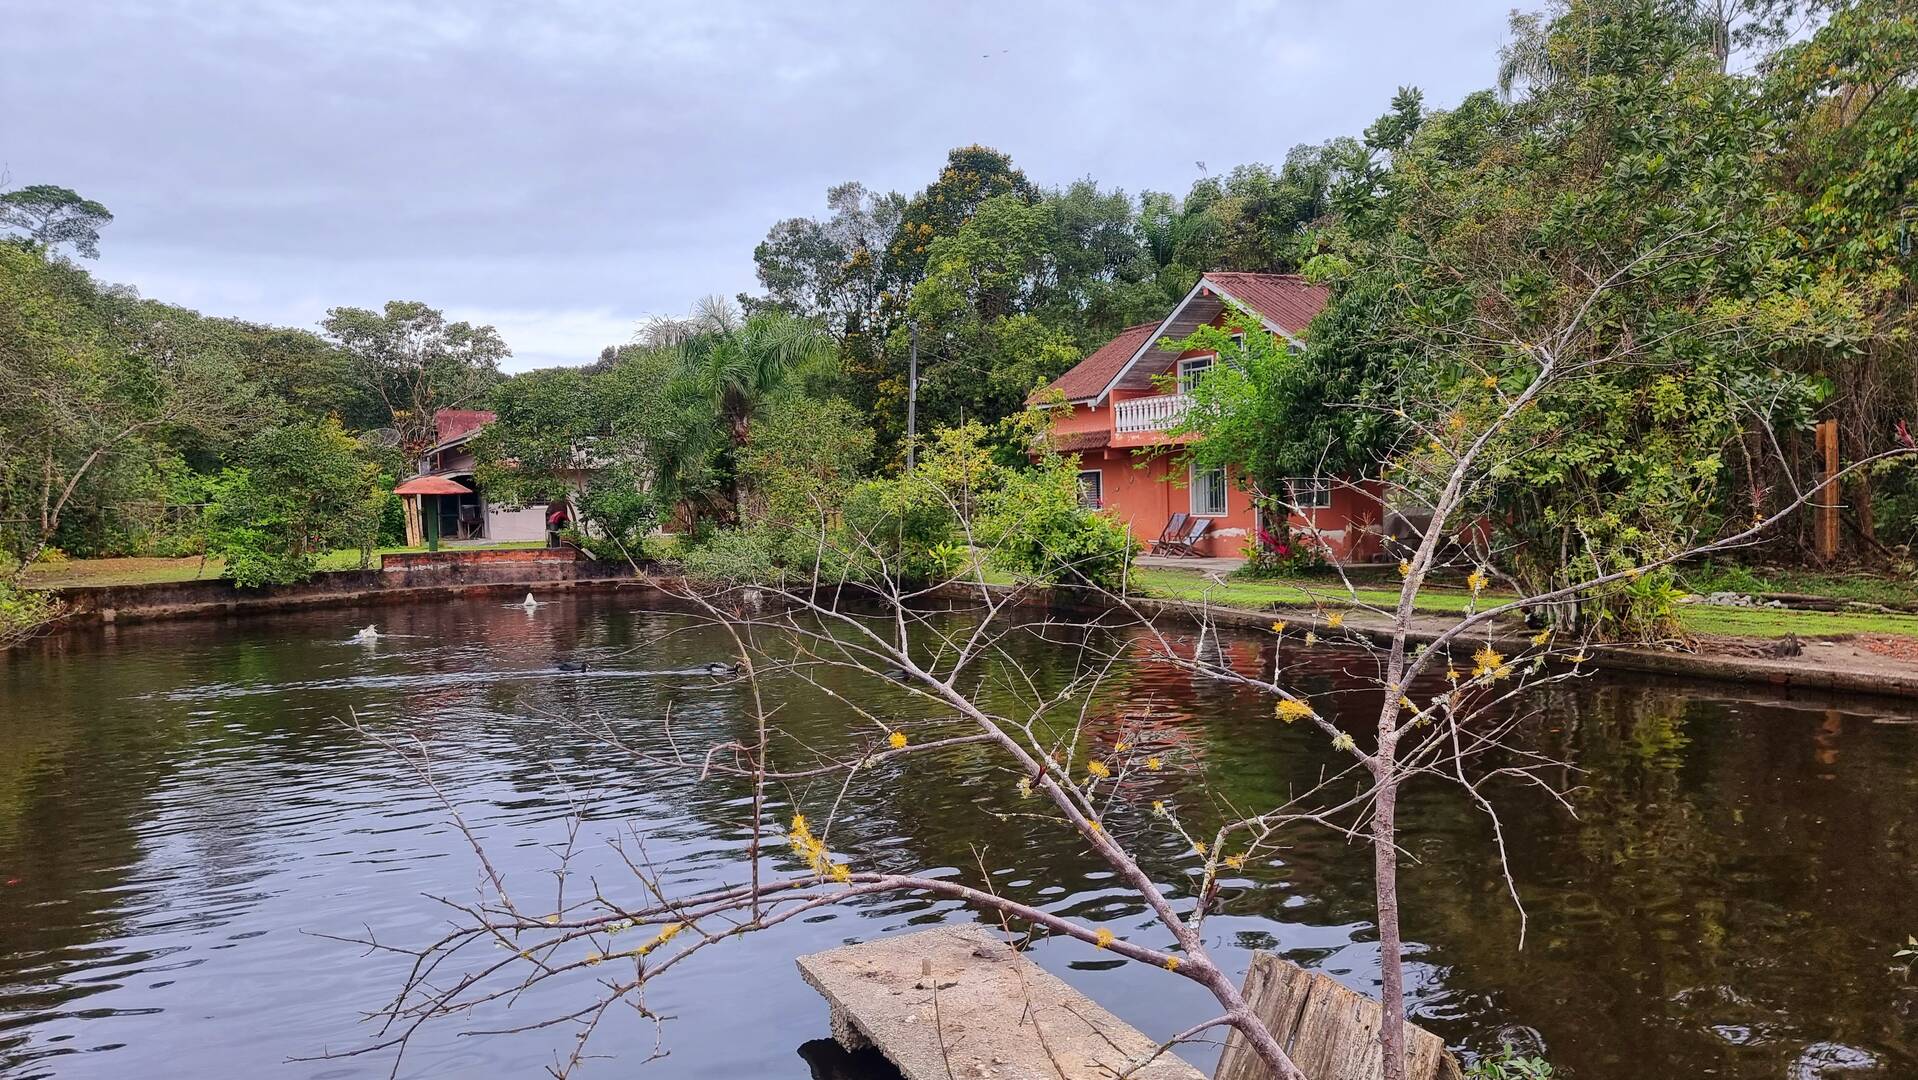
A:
{"points": [[1170, 533], [1187, 546]]}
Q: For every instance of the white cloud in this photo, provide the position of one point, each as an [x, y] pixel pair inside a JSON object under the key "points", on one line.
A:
{"points": [[573, 164], [549, 338]]}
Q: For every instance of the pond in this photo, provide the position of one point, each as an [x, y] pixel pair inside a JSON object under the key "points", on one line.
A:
{"points": [[188, 829]]}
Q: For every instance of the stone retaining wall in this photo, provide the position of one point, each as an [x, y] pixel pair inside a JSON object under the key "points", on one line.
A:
{"points": [[443, 574]]}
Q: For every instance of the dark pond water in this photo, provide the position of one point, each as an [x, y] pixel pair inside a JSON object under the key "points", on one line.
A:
{"points": [[184, 821]]}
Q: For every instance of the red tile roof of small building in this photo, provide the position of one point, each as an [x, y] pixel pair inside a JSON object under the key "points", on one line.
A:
{"points": [[1089, 376], [1286, 299], [1069, 441], [450, 424], [432, 485]]}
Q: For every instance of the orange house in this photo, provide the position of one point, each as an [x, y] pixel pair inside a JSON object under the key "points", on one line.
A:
{"points": [[1117, 415]]}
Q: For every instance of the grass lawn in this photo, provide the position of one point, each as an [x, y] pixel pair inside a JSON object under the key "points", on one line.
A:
{"points": [[1176, 584], [1771, 622], [81, 573], [1868, 588]]}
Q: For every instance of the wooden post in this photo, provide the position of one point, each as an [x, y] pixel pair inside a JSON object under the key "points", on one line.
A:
{"points": [[410, 512], [1828, 493]]}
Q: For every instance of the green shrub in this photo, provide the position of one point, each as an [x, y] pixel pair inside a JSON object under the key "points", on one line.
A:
{"points": [[1035, 526], [23, 612], [618, 513], [905, 527], [761, 555], [303, 491]]}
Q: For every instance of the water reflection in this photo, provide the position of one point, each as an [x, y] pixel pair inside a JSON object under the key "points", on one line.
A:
{"points": [[182, 816]]}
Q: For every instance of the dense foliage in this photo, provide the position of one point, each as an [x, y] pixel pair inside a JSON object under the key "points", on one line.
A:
{"points": [[298, 491]]}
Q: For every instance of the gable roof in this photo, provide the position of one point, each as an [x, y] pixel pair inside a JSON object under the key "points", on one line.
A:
{"points": [[1288, 300], [450, 424], [1089, 376], [1285, 303]]}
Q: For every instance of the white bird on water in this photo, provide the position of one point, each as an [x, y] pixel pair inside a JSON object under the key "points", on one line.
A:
{"points": [[530, 602], [370, 634]]}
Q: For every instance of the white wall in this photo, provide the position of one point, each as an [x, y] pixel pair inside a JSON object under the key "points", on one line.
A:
{"points": [[526, 524]]}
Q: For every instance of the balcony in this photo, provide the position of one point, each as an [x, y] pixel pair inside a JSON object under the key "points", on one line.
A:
{"points": [[1143, 414]]}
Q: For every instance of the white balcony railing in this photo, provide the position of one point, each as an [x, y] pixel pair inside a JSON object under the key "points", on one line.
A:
{"points": [[1154, 413]]}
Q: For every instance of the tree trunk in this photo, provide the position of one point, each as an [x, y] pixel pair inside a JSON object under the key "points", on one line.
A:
{"points": [[1385, 865]]}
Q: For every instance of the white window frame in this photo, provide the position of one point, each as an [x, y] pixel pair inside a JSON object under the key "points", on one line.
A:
{"points": [[1199, 489], [1192, 367], [1309, 492], [1093, 496]]}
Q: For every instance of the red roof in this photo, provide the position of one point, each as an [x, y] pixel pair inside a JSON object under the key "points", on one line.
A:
{"points": [[1089, 376], [1069, 441], [450, 424], [432, 485], [1286, 299]]}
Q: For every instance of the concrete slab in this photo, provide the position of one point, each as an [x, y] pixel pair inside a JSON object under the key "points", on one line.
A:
{"points": [[957, 1003]]}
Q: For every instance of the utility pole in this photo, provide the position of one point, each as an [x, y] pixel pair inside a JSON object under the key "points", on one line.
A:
{"points": [[912, 396]]}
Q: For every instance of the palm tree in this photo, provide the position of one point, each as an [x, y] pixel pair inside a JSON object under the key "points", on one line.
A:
{"points": [[1541, 52], [731, 370]]}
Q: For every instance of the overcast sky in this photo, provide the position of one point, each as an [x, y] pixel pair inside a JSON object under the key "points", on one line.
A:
{"points": [[564, 169]]}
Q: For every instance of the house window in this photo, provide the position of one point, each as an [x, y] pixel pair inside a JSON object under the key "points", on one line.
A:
{"points": [[1190, 370], [1208, 492], [1091, 488], [1309, 493]]}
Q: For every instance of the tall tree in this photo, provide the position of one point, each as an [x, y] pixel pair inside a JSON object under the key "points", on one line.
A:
{"points": [[49, 216], [416, 363], [90, 381]]}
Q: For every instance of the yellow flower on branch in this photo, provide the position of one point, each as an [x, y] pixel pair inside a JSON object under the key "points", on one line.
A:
{"points": [[1343, 742], [1487, 660], [1476, 581], [1153, 764], [1198, 847], [1311, 638], [1098, 770], [897, 739], [1542, 638], [1102, 938], [1278, 626], [1290, 709], [1158, 808], [1451, 674], [1234, 862], [1172, 963], [1335, 620], [1405, 568]]}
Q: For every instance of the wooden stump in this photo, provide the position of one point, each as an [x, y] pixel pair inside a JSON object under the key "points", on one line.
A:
{"points": [[1331, 1032]]}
